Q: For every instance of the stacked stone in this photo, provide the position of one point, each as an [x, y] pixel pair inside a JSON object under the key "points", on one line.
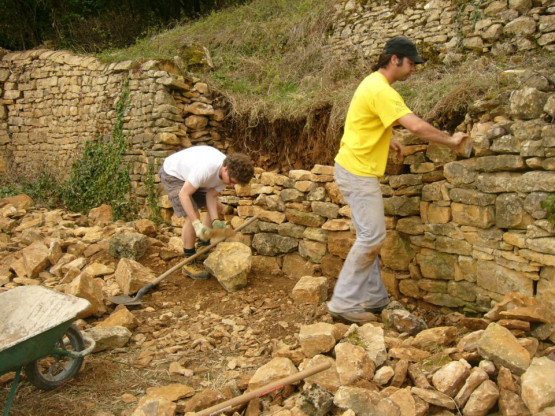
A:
{"points": [[53, 101], [496, 27], [461, 232], [203, 115]]}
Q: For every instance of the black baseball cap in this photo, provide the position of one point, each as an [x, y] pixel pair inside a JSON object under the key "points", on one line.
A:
{"points": [[401, 45]]}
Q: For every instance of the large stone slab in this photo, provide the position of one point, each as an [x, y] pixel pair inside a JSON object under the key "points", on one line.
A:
{"points": [[499, 345]]}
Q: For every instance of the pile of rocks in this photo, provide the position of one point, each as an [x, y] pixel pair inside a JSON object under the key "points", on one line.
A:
{"points": [[474, 366]]}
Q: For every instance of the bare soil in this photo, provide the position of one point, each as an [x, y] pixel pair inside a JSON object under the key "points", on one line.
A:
{"points": [[183, 321]]}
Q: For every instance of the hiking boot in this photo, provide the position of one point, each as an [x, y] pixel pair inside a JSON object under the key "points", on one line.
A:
{"points": [[195, 270], [357, 317]]}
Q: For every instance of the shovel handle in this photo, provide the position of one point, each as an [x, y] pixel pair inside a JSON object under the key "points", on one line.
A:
{"points": [[194, 256]]}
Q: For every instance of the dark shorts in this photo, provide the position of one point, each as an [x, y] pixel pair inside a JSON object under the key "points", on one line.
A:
{"points": [[173, 185]]}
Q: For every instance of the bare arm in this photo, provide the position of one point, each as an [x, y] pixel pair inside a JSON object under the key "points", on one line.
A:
{"points": [[212, 204], [428, 132]]}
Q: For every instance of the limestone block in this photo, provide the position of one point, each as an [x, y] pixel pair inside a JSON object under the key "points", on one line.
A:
{"points": [[528, 102], [327, 379], [300, 175], [266, 265], [131, 276], [451, 377], [325, 209], [310, 289], [171, 392], [35, 258], [473, 215], [538, 384], [120, 317], [317, 338], [331, 265], [402, 205], [271, 244], [108, 338], [353, 363], [396, 252], [304, 218], [436, 265], [312, 250], [230, 263], [482, 399], [86, 287], [340, 242], [132, 246], [499, 345]]}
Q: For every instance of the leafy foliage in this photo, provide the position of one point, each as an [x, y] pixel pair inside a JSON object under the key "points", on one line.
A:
{"points": [[99, 175], [152, 195], [44, 189]]}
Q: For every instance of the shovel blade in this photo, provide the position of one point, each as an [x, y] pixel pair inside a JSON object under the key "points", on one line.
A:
{"points": [[125, 300]]}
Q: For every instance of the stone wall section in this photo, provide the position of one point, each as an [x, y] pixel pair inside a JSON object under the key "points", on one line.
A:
{"points": [[461, 232], [444, 29], [52, 102]]}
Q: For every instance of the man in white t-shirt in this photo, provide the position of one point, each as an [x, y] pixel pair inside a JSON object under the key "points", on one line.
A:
{"points": [[193, 177]]}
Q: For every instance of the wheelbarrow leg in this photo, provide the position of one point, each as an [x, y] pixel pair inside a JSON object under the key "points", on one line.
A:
{"points": [[12, 391]]}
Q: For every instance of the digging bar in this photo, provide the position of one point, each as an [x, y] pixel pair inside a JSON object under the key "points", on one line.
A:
{"points": [[131, 301], [268, 388]]}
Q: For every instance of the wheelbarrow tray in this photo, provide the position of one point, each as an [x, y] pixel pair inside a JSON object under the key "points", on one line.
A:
{"points": [[32, 320]]}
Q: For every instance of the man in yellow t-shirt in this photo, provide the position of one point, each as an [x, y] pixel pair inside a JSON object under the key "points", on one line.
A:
{"points": [[375, 108]]}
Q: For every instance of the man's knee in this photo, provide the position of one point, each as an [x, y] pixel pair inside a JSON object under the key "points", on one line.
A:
{"points": [[373, 251]]}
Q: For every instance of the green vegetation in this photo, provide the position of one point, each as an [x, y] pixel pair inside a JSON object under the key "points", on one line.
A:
{"points": [[99, 176], [271, 61], [44, 189], [152, 195], [549, 205], [269, 56]]}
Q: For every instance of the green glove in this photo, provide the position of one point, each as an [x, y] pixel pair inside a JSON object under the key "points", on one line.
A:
{"points": [[201, 230], [218, 224]]}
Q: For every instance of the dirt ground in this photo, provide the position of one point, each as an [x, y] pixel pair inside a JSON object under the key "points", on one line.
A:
{"points": [[215, 336], [113, 381]]}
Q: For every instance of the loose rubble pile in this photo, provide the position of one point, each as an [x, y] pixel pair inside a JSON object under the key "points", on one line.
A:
{"points": [[500, 364]]}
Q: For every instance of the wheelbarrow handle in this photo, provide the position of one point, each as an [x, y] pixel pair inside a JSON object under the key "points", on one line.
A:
{"points": [[78, 354]]}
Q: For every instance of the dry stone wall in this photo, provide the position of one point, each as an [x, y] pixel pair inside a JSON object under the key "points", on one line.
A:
{"points": [[52, 102], [461, 232], [445, 29]]}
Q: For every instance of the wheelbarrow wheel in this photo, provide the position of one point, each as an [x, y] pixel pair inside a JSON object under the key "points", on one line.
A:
{"points": [[52, 371]]}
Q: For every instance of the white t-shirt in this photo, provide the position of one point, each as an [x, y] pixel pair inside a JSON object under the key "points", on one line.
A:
{"points": [[198, 165]]}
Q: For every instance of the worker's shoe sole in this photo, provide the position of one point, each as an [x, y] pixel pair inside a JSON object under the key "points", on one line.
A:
{"points": [[193, 271], [357, 317]]}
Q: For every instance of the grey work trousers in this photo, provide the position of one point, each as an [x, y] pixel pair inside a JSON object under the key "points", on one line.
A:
{"points": [[359, 284]]}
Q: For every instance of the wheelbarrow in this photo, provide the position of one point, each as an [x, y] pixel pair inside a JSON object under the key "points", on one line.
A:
{"points": [[36, 334]]}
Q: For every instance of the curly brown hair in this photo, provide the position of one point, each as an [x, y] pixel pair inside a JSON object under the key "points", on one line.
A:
{"points": [[239, 167]]}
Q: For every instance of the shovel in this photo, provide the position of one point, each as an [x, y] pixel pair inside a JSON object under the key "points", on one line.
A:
{"points": [[222, 234]]}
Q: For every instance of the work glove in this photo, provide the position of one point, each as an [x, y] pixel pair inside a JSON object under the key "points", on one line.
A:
{"points": [[218, 224], [201, 230]]}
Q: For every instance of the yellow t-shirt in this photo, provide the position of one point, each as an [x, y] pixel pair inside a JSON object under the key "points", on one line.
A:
{"points": [[374, 109]]}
